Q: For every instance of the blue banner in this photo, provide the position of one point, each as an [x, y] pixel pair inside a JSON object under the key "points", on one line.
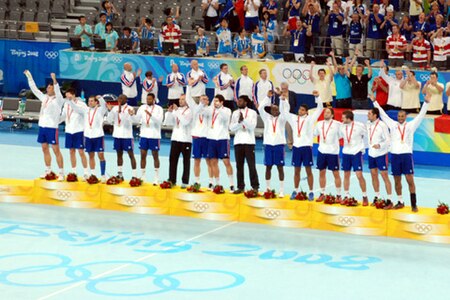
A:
{"points": [[41, 58]]}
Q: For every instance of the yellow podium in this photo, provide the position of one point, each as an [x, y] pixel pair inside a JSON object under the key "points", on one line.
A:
{"points": [[426, 225], [354, 220], [204, 205], [146, 199], [278, 212], [69, 194], [16, 191]]}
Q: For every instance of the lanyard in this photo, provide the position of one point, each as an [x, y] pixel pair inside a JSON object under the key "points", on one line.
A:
{"points": [[245, 117], [402, 133], [148, 116], [324, 134], [178, 120], [299, 127], [119, 112], [69, 113], [373, 132], [274, 125], [214, 117], [91, 120], [351, 132]]}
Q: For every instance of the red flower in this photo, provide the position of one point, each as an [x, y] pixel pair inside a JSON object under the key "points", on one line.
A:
{"points": [[92, 179], [301, 196], [134, 182], [195, 188], [351, 202], [113, 181], [166, 185], [442, 209], [218, 189], [330, 199], [380, 204], [50, 176], [72, 177], [270, 194], [251, 194]]}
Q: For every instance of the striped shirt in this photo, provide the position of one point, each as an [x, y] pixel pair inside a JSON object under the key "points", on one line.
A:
{"points": [[394, 43], [172, 34], [420, 51], [441, 47]]}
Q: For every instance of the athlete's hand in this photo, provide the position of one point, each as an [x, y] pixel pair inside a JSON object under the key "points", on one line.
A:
{"points": [[371, 97], [27, 74], [316, 93], [377, 146], [131, 111]]}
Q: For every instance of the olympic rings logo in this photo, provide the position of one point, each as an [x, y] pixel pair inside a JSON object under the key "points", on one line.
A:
{"points": [[200, 206], [213, 65], [116, 59], [63, 195], [51, 54], [424, 77], [423, 228], [272, 213], [131, 200], [346, 221], [30, 270], [296, 75]]}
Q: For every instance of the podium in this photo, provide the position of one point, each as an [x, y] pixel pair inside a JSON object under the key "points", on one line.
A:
{"points": [[16, 191]]}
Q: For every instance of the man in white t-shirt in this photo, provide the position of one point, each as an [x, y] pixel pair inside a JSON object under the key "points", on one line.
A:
{"points": [[225, 86], [436, 91], [129, 85], [322, 84], [175, 83], [251, 8], [395, 93], [244, 84], [212, 13], [197, 80], [410, 92]]}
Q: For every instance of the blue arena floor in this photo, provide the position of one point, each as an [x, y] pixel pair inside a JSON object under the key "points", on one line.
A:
{"points": [[60, 253]]}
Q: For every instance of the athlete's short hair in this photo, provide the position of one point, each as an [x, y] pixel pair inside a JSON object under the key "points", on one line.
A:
{"points": [[348, 114]]}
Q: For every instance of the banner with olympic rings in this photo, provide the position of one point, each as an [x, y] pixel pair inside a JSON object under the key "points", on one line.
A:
{"points": [[107, 67]]}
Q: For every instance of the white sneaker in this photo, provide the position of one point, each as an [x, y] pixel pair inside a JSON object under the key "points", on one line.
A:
{"points": [[142, 179], [61, 177], [103, 180], [43, 175], [85, 177], [156, 182], [281, 195]]}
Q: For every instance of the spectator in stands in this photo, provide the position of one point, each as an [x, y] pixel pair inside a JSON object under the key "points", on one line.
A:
{"points": [[262, 87], [84, 31], [385, 7], [441, 48], [293, 11], [251, 14], [270, 28], [396, 44], [381, 89], [298, 39], [312, 20], [109, 10], [359, 82], [395, 94], [147, 31], [434, 12], [197, 80], [244, 85], [406, 28], [210, 13], [374, 34], [131, 34], [410, 92], [437, 25], [421, 50], [421, 25], [225, 86], [415, 9], [388, 23], [271, 6], [334, 18], [175, 83], [100, 27], [322, 83], [269, 39], [172, 33], [242, 46], [258, 43], [355, 35], [224, 47], [202, 42], [343, 85], [128, 82], [173, 12], [110, 36], [436, 89], [358, 7], [239, 9]]}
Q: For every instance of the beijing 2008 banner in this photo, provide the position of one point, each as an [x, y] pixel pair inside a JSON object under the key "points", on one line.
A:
{"points": [[107, 67]]}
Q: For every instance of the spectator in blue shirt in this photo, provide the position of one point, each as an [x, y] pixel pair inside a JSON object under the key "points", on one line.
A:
{"points": [[224, 39], [109, 10], [421, 25], [374, 34], [131, 34], [242, 46], [271, 6], [355, 34], [406, 28], [146, 29], [84, 32], [343, 85], [100, 27], [336, 29], [293, 8], [312, 21], [270, 28], [298, 40], [389, 21]]}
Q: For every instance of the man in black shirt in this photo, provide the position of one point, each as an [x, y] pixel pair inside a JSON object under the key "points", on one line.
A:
{"points": [[359, 83]]}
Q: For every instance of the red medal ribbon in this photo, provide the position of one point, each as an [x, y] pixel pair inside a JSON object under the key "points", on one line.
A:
{"points": [[91, 120], [402, 133], [372, 132], [147, 116], [324, 134], [119, 112], [245, 117], [351, 132], [299, 127], [214, 117], [178, 120], [274, 125]]}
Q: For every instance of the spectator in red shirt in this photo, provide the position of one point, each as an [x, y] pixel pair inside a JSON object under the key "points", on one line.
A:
{"points": [[395, 46], [240, 11], [171, 33], [381, 89], [421, 51]]}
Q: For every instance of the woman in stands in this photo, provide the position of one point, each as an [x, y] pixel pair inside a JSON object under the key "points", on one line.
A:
{"points": [[110, 37], [109, 10]]}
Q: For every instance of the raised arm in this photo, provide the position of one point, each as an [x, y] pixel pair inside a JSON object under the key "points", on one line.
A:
{"points": [[311, 71], [265, 102], [40, 95], [389, 122], [418, 119], [315, 116]]}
